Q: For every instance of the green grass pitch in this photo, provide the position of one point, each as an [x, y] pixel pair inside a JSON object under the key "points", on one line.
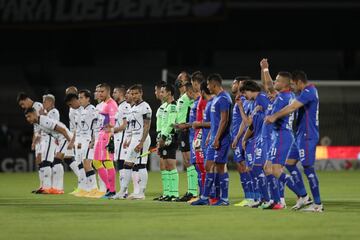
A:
{"points": [[28, 216]]}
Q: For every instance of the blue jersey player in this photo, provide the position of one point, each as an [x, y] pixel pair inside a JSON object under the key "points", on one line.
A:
{"points": [[219, 143], [307, 134]]}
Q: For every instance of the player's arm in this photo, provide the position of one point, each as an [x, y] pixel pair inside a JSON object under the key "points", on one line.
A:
{"points": [[247, 135], [63, 131], [245, 118], [224, 118], [122, 127], [266, 77], [197, 124], [284, 111], [238, 135]]}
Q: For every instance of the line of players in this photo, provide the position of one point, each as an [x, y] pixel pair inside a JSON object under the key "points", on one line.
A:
{"points": [[259, 128], [97, 136]]}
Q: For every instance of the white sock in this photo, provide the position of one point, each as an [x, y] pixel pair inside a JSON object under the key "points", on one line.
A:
{"points": [[41, 177], [143, 176], [47, 177], [102, 186], [135, 179], [82, 179], [124, 181], [58, 176], [122, 174], [91, 182], [74, 167]]}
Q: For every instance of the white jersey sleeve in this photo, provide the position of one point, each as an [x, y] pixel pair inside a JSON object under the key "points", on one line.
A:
{"points": [[37, 106], [47, 124], [54, 114], [88, 121]]}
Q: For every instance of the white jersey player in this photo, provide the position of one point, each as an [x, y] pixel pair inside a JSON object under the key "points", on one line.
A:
{"points": [[140, 120]]}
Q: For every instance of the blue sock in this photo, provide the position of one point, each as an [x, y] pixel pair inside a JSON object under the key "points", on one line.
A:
{"points": [[314, 183], [257, 196], [244, 178], [296, 174], [209, 180], [250, 186], [281, 187], [199, 179], [274, 188], [289, 181], [263, 186], [217, 185], [224, 186]]}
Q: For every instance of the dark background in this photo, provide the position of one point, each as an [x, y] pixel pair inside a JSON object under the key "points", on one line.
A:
{"points": [[320, 37]]}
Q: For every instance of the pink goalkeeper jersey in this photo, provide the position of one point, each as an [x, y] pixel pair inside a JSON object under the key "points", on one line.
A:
{"points": [[109, 109]]}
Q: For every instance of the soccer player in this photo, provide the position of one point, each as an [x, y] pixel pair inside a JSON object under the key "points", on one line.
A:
{"points": [[219, 142], [307, 134], [25, 102], [75, 109], [159, 123], [88, 121], [139, 143], [51, 128], [241, 111], [183, 107], [167, 143], [57, 167], [104, 147], [119, 94]]}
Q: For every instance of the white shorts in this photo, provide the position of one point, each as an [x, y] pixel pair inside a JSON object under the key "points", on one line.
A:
{"points": [[134, 157], [63, 147], [84, 152], [48, 147], [119, 140]]}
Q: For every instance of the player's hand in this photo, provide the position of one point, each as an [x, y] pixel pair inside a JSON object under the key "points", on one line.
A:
{"points": [[196, 124], [79, 146], [161, 142], [269, 119], [139, 147], [91, 144], [42, 111], [70, 146], [216, 143], [264, 63], [126, 144], [234, 143], [258, 108], [33, 146], [238, 99]]}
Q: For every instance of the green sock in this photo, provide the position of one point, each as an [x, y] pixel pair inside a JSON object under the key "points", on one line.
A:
{"points": [[174, 186], [192, 180], [165, 182]]}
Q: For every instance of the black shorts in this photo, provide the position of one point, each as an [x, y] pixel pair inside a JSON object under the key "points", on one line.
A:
{"points": [[184, 144], [169, 152]]}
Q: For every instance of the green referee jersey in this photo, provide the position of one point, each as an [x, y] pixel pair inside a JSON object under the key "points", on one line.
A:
{"points": [[159, 116], [183, 106], [169, 119]]}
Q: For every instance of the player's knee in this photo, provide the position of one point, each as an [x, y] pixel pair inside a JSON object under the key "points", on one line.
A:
{"points": [[97, 164]]}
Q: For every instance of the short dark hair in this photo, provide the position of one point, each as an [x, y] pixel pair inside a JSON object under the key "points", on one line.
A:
{"points": [[249, 85], [136, 87], [242, 78], [215, 77], [21, 96], [69, 97], [204, 88], [29, 110], [197, 77], [169, 88], [299, 75], [105, 85], [160, 84], [187, 75], [86, 93], [285, 74]]}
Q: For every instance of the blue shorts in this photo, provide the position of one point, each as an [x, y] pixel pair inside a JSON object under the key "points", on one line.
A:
{"points": [[294, 152], [218, 155], [239, 154], [261, 152], [192, 149], [204, 149], [249, 153], [307, 150], [280, 147]]}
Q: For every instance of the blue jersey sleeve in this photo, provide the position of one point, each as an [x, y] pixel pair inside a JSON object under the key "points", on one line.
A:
{"points": [[278, 105], [224, 104], [306, 96]]}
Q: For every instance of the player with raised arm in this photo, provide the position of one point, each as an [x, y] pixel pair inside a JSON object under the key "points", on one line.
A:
{"points": [[219, 142], [307, 134], [25, 102]]}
